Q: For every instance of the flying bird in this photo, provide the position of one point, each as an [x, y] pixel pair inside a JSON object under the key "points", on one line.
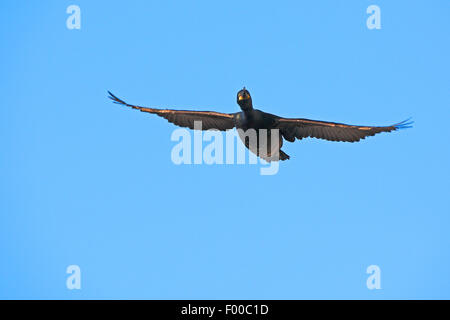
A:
{"points": [[250, 118]]}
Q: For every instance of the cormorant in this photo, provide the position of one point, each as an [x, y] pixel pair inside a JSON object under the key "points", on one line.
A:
{"points": [[250, 118]]}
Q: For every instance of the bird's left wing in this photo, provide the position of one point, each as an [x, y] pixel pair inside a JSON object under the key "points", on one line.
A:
{"points": [[303, 128], [186, 118]]}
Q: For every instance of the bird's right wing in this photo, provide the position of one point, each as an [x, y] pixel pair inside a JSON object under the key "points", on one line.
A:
{"points": [[186, 118]]}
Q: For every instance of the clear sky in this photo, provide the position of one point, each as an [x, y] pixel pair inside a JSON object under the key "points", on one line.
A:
{"points": [[89, 183]]}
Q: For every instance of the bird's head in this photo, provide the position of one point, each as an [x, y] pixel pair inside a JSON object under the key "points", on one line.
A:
{"points": [[244, 100]]}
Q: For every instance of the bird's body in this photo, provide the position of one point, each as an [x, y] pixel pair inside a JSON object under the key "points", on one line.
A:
{"points": [[254, 120], [258, 121]]}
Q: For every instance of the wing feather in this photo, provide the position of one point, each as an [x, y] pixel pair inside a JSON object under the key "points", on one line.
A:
{"points": [[332, 131], [186, 118]]}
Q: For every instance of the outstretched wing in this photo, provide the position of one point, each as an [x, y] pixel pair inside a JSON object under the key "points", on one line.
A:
{"points": [[186, 118], [304, 128]]}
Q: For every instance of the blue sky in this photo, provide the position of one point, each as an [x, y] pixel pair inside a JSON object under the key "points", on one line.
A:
{"points": [[88, 183]]}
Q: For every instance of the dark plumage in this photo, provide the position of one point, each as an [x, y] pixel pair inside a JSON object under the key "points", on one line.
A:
{"points": [[249, 118]]}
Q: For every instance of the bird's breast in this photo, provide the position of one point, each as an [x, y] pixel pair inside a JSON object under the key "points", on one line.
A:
{"points": [[242, 121]]}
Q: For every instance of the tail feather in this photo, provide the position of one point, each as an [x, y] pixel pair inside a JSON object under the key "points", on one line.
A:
{"points": [[281, 156], [284, 156]]}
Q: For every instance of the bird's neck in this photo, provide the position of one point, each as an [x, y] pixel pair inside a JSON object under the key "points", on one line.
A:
{"points": [[248, 112], [247, 108]]}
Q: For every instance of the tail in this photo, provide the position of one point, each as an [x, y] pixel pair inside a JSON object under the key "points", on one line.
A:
{"points": [[281, 156], [284, 156]]}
